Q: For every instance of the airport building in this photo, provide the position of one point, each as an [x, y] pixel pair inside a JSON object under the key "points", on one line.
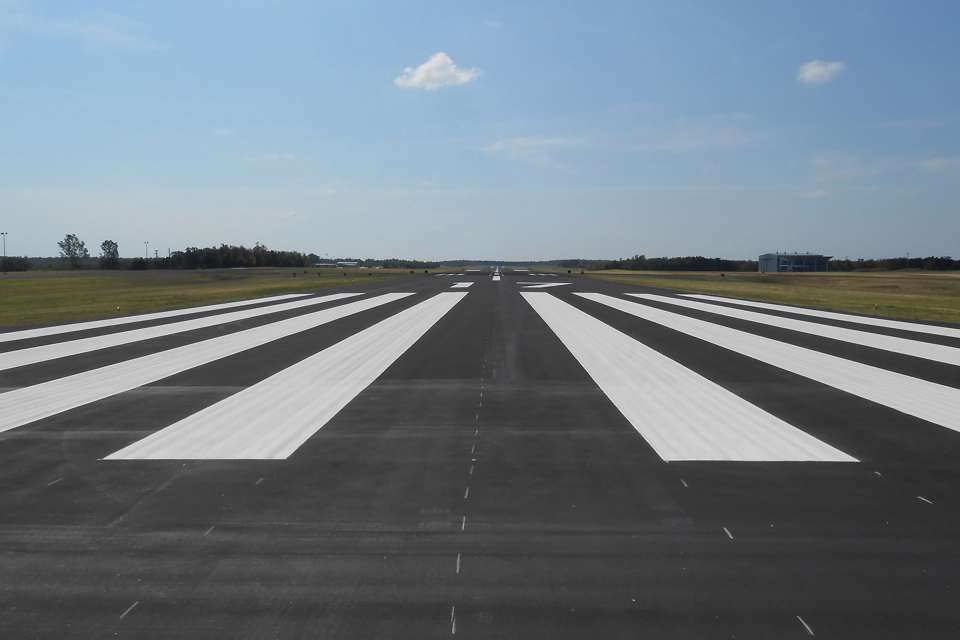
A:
{"points": [[792, 262]]}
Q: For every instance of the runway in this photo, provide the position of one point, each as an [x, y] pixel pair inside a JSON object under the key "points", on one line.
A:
{"points": [[485, 454]]}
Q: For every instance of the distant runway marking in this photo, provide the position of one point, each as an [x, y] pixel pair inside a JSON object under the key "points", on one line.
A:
{"points": [[209, 531], [681, 414], [50, 484], [453, 621], [915, 348], [112, 322], [878, 474], [458, 564], [33, 355], [461, 285], [845, 317], [129, 609], [259, 482], [273, 418], [545, 285], [463, 523], [471, 470], [466, 493], [496, 278], [924, 499], [929, 401], [684, 482], [29, 404], [727, 531], [805, 626]]}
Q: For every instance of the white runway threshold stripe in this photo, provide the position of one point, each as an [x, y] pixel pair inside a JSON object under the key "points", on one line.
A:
{"points": [[461, 285], [915, 348], [538, 285], [271, 419], [950, 332], [26, 334], [33, 355], [29, 404], [681, 414], [928, 401]]}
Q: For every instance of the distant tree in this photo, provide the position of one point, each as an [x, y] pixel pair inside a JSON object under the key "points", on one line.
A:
{"points": [[138, 264], [73, 249], [109, 255]]}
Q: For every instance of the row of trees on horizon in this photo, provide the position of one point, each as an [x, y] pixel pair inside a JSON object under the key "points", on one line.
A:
{"points": [[73, 253]]}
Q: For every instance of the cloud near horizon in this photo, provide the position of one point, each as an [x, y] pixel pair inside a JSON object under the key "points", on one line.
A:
{"points": [[437, 72]]}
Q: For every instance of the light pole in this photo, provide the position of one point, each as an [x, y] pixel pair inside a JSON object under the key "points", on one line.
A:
{"points": [[4, 234], [146, 249]]}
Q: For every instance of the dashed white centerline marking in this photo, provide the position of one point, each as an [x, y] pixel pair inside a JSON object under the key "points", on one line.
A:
{"points": [[805, 626], [727, 531], [453, 620], [208, 531], [878, 474], [259, 482], [50, 484], [463, 523], [129, 609], [458, 564], [925, 499], [684, 482], [471, 470], [461, 285], [466, 493]]}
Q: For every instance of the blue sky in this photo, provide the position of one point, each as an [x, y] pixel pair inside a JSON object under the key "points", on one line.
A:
{"points": [[496, 130]]}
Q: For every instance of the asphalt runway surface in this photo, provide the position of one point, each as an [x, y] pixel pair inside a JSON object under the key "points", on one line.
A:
{"points": [[481, 455]]}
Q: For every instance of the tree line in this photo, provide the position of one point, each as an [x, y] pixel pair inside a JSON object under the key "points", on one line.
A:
{"points": [[73, 251], [700, 263], [682, 263]]}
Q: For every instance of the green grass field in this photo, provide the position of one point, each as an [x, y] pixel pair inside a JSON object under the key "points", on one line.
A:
{"points": [[50, 297], [906, 295]]}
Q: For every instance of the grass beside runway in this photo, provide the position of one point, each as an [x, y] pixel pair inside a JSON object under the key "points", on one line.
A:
{"points": [[52, 297], [905, 295]]}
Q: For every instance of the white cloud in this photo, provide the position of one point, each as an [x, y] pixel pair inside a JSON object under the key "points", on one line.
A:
{"points": [[526, 144], [106, 31], [437, 72], [819, 71], [938, 163], [273, 156], [815, 194]]}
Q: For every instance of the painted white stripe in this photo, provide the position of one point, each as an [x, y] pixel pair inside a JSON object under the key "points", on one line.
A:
{"points": [[496, 278], [271, 419], [915, 348], [950, 332], [683, 415], [33, 355], [929, 401], [112, 322], [546, 285], [28, 404], [805, 626], [461, 285]]}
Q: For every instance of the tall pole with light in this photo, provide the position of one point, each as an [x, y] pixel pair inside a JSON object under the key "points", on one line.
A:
{"points": [[146, 249], [4, 234]]}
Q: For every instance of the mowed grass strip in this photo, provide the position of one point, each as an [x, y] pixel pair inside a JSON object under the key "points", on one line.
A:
{"points": [[39, 298], [932, 296]]}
